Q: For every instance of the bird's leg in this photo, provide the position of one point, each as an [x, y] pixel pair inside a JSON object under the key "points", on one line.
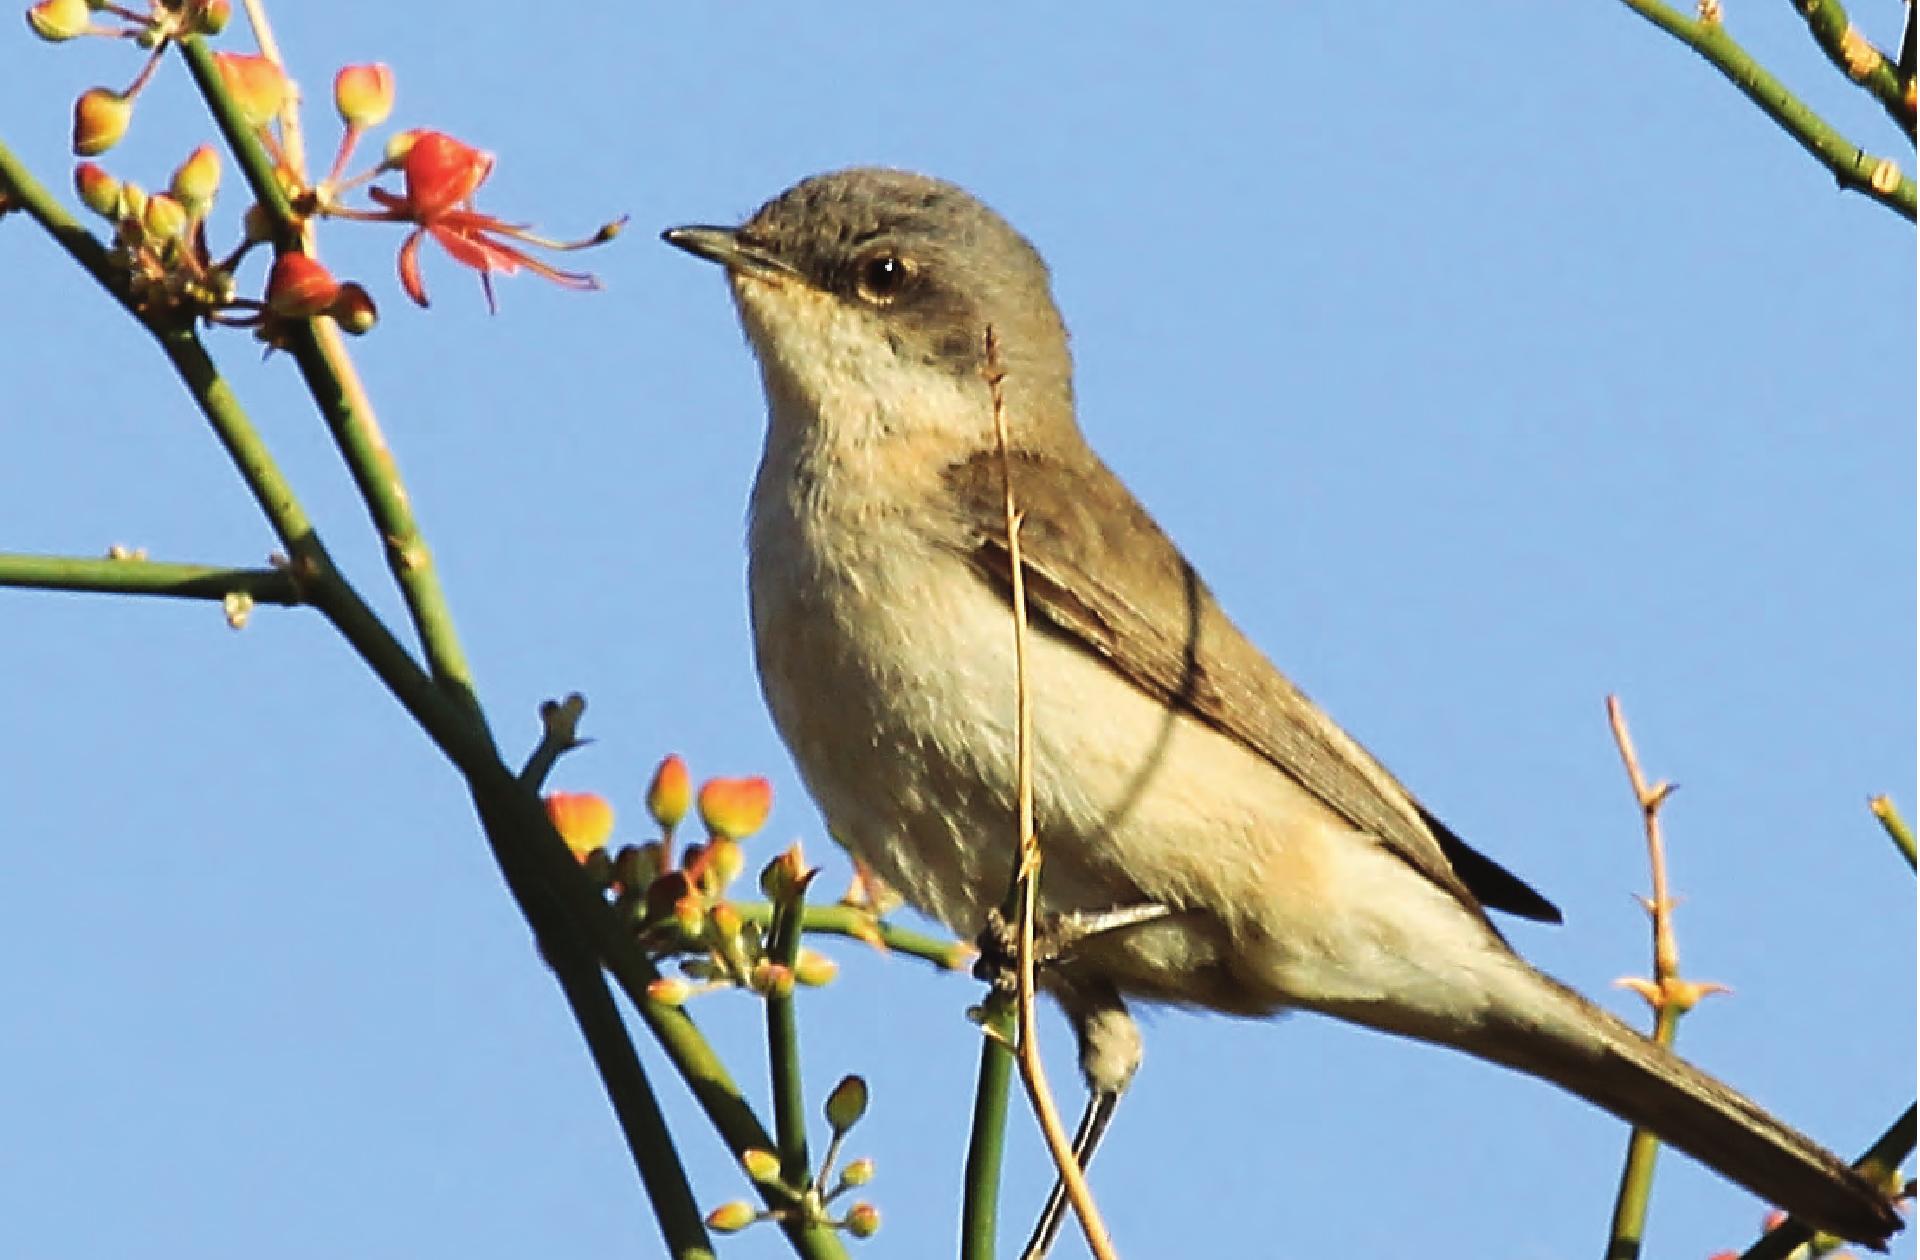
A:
{"points": [[1110, 1051], [1101, 1105], [1054, 937]]}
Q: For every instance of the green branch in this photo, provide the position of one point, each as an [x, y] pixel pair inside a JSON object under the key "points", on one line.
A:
{"points": [[335, 386], [1856, 56], [113, 576], [19, 187], [1853, 168], [860, 925], [1629, 1225], [986, 1141], [783, 1046]]}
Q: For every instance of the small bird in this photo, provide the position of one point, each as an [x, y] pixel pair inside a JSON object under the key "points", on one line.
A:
{"points": [[1215, 839]]}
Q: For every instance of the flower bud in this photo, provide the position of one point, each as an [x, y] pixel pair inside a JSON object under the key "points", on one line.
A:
{"points": [[772, 979], [398, 146], [762, 1166], [258, 87], [670, 991], [300, 287], [813, 968], [164, 219], [863, 1220], [212, 16], [725, 860], [670, 792], [735, 808], [363, 95], [197, 179], [57, 20], [133, 202], [100, 119], [583, 819], [858, 1173], [846, 1104], [786, 876], [355, 312], [99, 191], [731, 1218]]}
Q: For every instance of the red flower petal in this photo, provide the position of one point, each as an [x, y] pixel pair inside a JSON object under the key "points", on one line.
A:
{"points": [[410, 268]]}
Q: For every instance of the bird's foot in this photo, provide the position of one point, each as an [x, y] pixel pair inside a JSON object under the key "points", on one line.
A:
{"points": [[1054, 937]]}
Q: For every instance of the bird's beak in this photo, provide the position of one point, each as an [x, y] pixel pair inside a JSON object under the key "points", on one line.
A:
{"points": [[726, 247]]}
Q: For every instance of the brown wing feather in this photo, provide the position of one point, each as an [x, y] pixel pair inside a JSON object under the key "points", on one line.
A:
{"points": [[1205, 666]]}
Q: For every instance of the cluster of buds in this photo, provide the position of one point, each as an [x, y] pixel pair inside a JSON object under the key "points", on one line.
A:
{"points": [[160, 238], [812, 1202], [677, 899], [439, 175]]}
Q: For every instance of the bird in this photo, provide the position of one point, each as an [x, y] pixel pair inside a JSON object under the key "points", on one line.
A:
{"points": [[1211, 838]]}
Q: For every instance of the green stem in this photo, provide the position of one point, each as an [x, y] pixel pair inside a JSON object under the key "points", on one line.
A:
{"points": [[857, 924], [146, 577], [1851, 166], [324, 364], [1636, 1177], [1829, 24], [19, 187], [783, 1048], [1888, 1152], [1897, 829], [980, 1208]]}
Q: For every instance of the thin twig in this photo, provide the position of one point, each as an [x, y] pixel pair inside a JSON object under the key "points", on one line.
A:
{"points": [[1853, 167], [1027, 870], [1668, 995]]}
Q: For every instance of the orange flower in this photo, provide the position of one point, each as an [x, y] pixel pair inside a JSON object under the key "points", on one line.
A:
{"points": [[735, 808], [442, 175], [583, 819]]}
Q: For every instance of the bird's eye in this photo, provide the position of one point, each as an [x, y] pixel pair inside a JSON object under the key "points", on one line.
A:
{"points": [[882, 276]]}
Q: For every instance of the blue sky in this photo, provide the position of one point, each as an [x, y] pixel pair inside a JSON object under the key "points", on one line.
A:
{"points": [[1485, 361]]}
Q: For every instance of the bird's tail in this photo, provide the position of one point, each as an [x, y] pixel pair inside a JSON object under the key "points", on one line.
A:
{"points": [[1560, 1036]]}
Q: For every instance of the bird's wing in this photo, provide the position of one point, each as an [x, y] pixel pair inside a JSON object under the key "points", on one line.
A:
{"points": [[1155, 624]]}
